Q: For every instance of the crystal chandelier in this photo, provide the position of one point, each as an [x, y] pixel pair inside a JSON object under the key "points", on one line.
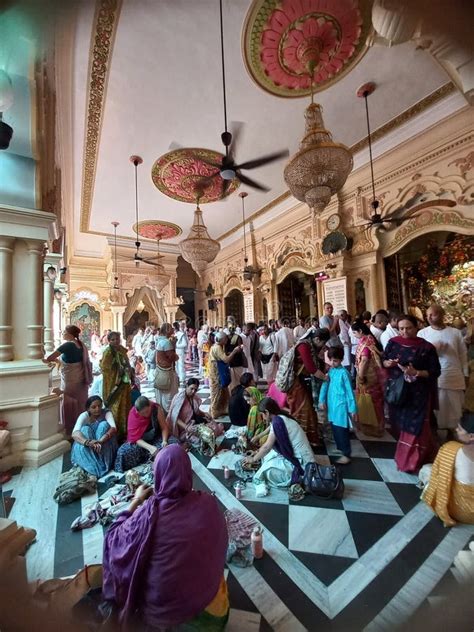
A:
{"points": [[198, 248], [320, 167]]}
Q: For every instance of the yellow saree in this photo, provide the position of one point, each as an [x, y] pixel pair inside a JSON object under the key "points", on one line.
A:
{"points": [[115, 370], [450, 500]]}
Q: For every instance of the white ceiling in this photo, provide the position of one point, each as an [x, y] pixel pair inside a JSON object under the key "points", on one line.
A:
{"points": [[165, 86]]}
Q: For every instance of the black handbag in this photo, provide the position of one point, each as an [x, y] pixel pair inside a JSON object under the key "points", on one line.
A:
{"points": [[395, 391], [324, 481]]}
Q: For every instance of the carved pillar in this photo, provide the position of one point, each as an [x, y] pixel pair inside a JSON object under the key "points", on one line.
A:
{"points": [[6, 327], [48, 301], [118, 312], [28, 300]]}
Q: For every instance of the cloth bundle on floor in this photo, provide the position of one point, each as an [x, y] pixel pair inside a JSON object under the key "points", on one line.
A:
{"points": [[239, 528], [73, 484]]}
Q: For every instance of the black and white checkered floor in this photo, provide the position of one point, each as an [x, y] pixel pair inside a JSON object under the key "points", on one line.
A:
{"points": [[367, 562]]}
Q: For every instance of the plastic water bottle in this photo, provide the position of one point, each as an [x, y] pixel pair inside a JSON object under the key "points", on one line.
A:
{"points": [[257, 542]]}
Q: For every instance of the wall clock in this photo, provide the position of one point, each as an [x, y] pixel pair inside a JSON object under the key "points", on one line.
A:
{"points": [[333, 222]]}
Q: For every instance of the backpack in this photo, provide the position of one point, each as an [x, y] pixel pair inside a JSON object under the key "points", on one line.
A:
{"points": [[73, 484], [285, 376]]}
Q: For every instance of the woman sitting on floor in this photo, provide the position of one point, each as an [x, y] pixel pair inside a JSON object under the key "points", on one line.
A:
{"points": [[147, 431], [239, 407], [450, 492], [95, 441], [286, 451], [257, 428], [164, 560], [185, 411]]}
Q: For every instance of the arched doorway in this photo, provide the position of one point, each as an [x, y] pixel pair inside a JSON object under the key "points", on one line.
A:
{"points": [[297, 296], [435, 267], [234, 306]]}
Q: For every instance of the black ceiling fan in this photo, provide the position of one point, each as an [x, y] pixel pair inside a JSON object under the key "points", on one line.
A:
{"points": [[414, 204], [137, 257], [228, 170]]}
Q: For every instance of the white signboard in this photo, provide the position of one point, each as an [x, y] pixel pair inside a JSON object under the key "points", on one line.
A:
{"points": [[248, 308], [335, 292]]}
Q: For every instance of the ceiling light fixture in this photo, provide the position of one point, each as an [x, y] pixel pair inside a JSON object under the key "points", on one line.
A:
{"points": [[249, 271], [321, 166], [199, 249]]}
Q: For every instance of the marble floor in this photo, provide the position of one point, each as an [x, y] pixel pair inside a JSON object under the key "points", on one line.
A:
{"points": [[367, 562]]}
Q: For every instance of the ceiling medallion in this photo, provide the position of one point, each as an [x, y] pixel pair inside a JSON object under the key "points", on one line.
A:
{"points": [[289, 43], [199, 249], [320, 167], [157, 229], [180, 174]]}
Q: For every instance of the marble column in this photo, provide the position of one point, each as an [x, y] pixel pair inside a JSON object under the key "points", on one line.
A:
{"points": [[6, 327], [118, 312], [48, 317]]}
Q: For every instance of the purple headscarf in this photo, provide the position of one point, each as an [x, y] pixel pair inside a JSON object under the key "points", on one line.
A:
{"points": [[165, 562], [283, 446]]}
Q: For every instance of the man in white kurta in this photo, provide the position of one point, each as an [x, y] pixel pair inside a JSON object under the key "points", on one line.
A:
{"points": [[284, 338], [452, 354]]}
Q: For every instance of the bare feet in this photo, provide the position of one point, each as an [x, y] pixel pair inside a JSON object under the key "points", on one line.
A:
{"points": [[344, 460]]}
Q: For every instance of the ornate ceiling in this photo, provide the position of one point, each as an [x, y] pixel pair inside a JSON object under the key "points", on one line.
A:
{"points": [[147, 74]]}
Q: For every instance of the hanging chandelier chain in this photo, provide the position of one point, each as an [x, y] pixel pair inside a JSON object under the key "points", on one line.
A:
{"points": [[223, 71], [369, 138], [137, 243], [243, 225]]}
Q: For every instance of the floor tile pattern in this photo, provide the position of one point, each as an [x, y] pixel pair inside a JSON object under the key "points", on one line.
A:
{"points": [[361, 563]]}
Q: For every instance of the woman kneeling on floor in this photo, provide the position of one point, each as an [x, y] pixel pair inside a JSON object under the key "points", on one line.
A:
{"points": [[95, 442], [164, 560], [185, 412], [285, 452], [147, 431]]}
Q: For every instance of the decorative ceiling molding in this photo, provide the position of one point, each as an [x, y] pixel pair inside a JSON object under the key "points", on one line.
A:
{"points": [[186, 173], [157, 229], [102, 40], [377, 134], [288, 44]]}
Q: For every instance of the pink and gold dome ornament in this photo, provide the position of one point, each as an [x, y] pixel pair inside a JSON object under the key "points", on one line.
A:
{"points": [[320, 167], [199, 249]]}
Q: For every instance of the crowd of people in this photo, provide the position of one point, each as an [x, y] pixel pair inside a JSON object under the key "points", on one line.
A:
{"points": [[290, 387]]}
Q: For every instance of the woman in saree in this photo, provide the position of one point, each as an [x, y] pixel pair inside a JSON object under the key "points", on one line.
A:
{"points": [[370, 377], [166, 378], [219, 391], [164, 557], [302, 395], [116, 387], [76, 376], [450, 491], [95, 441], [147, 432], [185, 411], [417, 361], [257, 428], [286, 451]]}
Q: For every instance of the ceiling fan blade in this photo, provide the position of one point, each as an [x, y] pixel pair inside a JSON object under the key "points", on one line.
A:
{"points": [[225, 187], [174, 145], [151, 263], [264, 160], [252, 183], [235, 130], [215, 165]]}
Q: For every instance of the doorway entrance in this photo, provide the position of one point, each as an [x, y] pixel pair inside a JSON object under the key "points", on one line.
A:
{"points": [[297, 296], [234, 306]]}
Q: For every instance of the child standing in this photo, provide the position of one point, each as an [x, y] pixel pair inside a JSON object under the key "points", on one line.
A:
{"points": [[338, 398]]}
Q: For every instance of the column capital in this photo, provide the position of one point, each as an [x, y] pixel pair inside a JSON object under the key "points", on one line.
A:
{"points": [[6, 243]]}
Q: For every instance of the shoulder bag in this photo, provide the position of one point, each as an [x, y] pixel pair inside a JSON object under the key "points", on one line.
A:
{"points": [[224, 373], [162, 378], [324, 481], [395, 391]]}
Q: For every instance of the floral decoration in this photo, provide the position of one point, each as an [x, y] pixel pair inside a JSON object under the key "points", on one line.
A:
{"points": [[157, 229], [185, 173], [289, 43]]}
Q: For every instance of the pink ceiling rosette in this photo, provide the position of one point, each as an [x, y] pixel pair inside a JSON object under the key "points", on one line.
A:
{"points": [[302, 40]]}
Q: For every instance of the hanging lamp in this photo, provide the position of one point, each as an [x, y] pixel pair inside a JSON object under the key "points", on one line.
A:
{"points": [[199, 249], [321, 166], [249, 271]]}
